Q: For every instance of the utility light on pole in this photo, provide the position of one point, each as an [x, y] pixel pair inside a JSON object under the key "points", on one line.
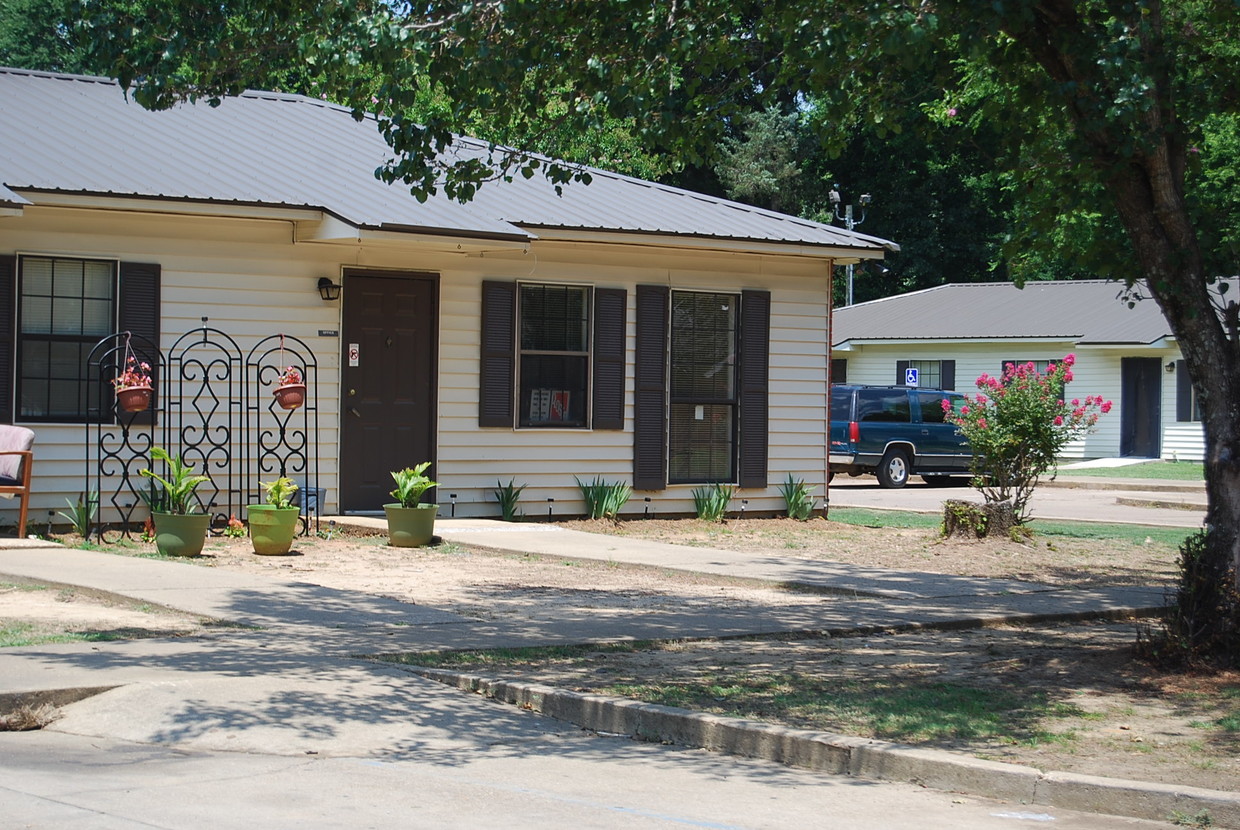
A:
{"points": [[850, 221]]}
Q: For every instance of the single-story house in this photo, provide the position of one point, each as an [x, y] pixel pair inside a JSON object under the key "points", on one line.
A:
{"points": [[952, 334], [622, 329]]}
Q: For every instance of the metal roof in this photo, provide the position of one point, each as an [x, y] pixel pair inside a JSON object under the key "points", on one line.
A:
{"points": [[1083, 311], [80, 135]]}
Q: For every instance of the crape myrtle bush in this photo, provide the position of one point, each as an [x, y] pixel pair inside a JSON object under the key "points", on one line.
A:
{"points": [[1018, 425]]}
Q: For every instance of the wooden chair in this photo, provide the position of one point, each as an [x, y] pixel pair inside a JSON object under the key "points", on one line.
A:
{"points": [[16, 461]]}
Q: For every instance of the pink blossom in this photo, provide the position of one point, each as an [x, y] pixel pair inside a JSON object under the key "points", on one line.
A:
{"points": [[1069, 359], [1067, 376], [951, 113], [981, 399], [1058, 420], [1079, 412], [964, 410], [1076, 401], [981, 422], [1106, 407], [946, 404]]}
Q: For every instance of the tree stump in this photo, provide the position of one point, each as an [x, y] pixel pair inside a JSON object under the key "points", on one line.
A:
{"points": [[968, 518]]}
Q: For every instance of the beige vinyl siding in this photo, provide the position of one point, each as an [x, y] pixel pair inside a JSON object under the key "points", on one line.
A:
{"points": [[252, 280], [244, 275], [473, 460]]}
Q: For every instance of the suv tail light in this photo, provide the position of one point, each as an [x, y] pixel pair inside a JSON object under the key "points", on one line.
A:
{"points": [[854, 432]]}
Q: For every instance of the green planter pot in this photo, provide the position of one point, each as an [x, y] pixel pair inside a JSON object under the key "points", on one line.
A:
{"points": [[410, 527], [272, 528], [179, 534]]}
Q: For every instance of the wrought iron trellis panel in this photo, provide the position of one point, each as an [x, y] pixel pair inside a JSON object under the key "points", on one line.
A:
{"points": [[204, 419], [284, 443], [212, 407], [118, 443]]}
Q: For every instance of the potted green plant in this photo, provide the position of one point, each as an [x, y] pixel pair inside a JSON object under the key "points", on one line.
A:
{"points": [[179, 531], [133, 386], [290, 391], [411, 524], [274, 524]]}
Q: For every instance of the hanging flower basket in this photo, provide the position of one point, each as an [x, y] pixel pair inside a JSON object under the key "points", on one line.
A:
{"points": [[290, 395], [133, 386], [290, 388], [134, 398]]}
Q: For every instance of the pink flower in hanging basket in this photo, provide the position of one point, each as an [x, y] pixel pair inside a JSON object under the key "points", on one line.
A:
{"points": [[289, 377], [135, 375]]}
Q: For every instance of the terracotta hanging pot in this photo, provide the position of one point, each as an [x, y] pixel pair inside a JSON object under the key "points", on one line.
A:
{"points": [[290, 395], [134, 398]]}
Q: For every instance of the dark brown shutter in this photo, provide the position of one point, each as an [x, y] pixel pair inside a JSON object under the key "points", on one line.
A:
{"points": [[754, 388], [496, 367], [947, 374], [901, 368], [609, 311], [650, 389], [138, 312], [839, 370], [8, 286], [1183, 392]]}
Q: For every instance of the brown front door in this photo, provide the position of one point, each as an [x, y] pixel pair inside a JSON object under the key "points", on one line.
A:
{"points": [[390, 340]]}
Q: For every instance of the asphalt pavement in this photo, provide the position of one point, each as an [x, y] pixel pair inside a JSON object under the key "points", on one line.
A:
{"points": [[280, 723]]}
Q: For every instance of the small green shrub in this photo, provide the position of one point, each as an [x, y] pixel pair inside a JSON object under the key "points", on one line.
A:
{"points": [[711, 501], [508, 495], [178, 487], [82, 513], [411, 483], [604, 499], [279, 492], [799, 498]]}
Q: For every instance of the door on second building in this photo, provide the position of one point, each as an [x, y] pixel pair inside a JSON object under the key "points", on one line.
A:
{"points": [[388, 381], [1140, 407]]}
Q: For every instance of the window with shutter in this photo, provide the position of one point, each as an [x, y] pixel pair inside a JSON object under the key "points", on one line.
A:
{"points": [[557, 351], [53, 310]]}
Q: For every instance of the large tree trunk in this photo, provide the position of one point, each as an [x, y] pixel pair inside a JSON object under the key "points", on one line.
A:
{"points": [[1146, 185]]}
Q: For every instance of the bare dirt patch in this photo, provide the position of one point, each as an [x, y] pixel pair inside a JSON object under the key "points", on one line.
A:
{"points": [[1113, 715], [1052, 560]]}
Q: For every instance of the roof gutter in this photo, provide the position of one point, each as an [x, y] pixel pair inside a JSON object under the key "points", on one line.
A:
{"points": [[842, 255]]}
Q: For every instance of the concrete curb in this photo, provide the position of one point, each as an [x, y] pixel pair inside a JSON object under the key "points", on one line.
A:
{"points": [[1064, 481], [843, 755], [1162, 504]]}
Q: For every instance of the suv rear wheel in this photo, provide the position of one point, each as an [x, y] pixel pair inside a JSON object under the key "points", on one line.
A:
{"points": [[893, 470]]}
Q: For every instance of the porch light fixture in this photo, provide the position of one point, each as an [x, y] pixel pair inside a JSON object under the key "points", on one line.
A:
{"points": [[328, 290], [1170, 367]]}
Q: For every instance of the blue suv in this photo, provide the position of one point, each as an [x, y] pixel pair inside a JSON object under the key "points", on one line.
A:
{"points": [[894, 432]]}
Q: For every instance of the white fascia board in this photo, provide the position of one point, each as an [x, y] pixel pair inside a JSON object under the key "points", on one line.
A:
{"points": [[181, 207], [841, 256], [855, 342]]}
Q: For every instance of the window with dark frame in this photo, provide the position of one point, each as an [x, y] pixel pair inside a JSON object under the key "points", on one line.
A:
{"points": [[702, 427], [553, 355], [65, 306]]}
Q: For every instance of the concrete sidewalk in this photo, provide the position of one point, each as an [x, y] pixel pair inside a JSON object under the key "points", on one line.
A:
{"points": [[291, 685]]}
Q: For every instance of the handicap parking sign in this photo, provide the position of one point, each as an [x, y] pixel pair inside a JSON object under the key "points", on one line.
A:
{"points": [[910, 377]]}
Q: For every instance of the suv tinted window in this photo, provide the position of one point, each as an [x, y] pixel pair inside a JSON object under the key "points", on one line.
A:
{"points": [[841, 404], [932, 406], [890, 405]]}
